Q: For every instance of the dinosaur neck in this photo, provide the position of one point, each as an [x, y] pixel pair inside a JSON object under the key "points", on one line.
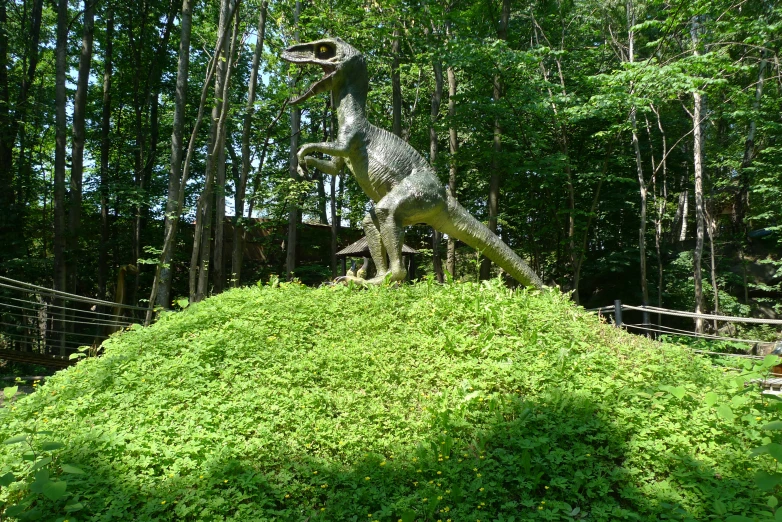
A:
{"points": [[351, 100]]}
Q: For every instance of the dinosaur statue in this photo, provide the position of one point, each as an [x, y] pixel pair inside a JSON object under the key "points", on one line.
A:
{"points": [[403, 186]]}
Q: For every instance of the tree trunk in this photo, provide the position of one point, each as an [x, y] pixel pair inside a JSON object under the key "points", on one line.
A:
{"points": [[741, 201], [61, 54], [180, 98], [496, 163], [453, 144], [203, 227], [168, 243], [698, 171], [437, 96], [218, 258], [218, 273], [639, 165], [660, 204], [241, 187], [137, 42], [711, 228], [6, 134], [105, 147], [323, 218], [77, 150], [293, 213], [218, 148], [396, 85]]}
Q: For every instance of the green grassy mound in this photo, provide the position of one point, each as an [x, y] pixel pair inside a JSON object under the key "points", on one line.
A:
{"points": [[425, 402]]}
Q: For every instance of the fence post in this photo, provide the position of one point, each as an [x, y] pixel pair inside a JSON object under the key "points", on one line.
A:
{"points": [[617, 313]]}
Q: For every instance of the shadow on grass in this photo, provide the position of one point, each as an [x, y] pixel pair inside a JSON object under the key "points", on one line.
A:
{"points": [[553, 459]]}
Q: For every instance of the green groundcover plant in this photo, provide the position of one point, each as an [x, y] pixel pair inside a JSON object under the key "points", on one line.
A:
{"points": [[461, 402]]}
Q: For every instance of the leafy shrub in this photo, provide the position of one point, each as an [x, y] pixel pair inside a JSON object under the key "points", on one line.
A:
{"points": [[461, 402]]}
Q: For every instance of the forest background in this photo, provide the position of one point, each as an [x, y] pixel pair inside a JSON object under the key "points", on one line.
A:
{"points": [[628, 149]]}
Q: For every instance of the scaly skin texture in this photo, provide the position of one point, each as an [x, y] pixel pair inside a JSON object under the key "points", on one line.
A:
{"points": [[403, 186]]}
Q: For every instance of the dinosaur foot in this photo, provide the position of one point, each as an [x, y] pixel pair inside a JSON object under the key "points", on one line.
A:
{"points": [[351, 279]]}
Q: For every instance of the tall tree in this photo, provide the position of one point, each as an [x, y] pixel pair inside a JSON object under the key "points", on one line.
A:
{"points": [[77, 148], [631, 17], [293, 212], [61, 56], [396, 84], [177, 149], [697, 150], [437, 95], [494, 180], [453, 145], [241, 187], [168, 242], [105, 149]]}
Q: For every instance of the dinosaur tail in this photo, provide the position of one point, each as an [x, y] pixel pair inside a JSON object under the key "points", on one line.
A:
{"points": [[461, 225]]}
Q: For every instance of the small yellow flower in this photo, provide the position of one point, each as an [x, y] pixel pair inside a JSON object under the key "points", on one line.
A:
{"points": [[323, 486], [201, 476], [366, 478], [287, 496], [314, 472], [323, 509], [415, 483], [475, 469], [480, 489], [439, 472], [225, 482], [440, 498], [424, 500], [163, 502], [478, 475], [383, 463], [546, 487], [540, 507], [589, 454]]}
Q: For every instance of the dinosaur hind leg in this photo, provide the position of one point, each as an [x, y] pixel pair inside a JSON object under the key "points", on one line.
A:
{"points": [[417, 199], [392, 235], [376, 247]]}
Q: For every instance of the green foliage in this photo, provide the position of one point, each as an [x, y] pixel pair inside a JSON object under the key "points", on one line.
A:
{"points": [[421, 402], [38, 473]]}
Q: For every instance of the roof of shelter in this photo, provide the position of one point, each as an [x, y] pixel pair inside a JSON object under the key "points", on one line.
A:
{"points": [[361, 249]]}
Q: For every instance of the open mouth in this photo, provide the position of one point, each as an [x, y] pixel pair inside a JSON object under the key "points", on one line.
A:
{"points": [[321, 53], [321, 85]]}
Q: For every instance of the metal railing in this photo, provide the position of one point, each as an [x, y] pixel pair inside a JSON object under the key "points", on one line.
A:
{"points": [[647, 327], [47, 322]]}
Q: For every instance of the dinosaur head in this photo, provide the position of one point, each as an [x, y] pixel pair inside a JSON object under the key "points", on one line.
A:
{"points": [[337, 58]]}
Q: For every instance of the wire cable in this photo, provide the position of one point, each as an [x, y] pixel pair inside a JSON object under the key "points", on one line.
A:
{"points": [[678, 331], [72, 297], [724, 318]]}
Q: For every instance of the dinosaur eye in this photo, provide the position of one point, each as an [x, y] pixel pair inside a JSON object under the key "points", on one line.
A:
{"points": [[325, 51]]}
